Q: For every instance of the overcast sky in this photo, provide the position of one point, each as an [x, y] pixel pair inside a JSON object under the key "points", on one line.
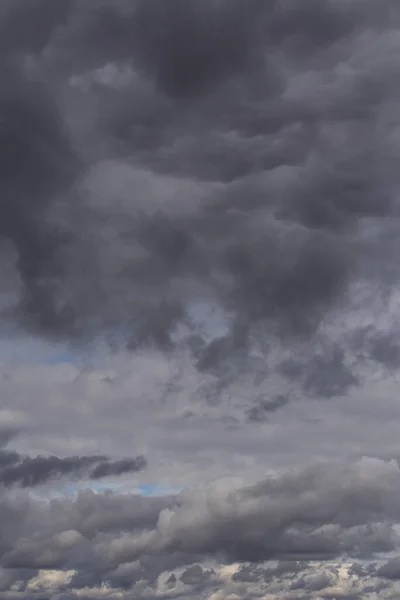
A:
{"points": [[199, 299]]}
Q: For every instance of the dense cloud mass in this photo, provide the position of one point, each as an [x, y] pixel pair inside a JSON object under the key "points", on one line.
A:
{"points": [[161, 154], [199, 216], [133, 543]]}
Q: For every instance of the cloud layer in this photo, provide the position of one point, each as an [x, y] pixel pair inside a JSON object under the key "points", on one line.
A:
{"points": [[199, 268], [127, 540]]}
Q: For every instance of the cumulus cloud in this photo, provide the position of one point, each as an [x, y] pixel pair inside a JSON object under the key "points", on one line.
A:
{"points": [[122, 540]]}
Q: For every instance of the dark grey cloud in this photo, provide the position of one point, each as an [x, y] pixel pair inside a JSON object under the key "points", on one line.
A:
{"points": [[196, 575], [314, 583], [106, 468], [324, 373], [26, 471], [36, 164], [188, 48], [391, 569], [264, 406], [385, 349], [6, 435], [315, 515], [27, 27], [9, 577], [250, 572], [282, 520], [78, 533], [265, 221]]}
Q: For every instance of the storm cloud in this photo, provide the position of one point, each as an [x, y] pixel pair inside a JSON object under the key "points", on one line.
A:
{"points": [[226, 152], [199, 217]]}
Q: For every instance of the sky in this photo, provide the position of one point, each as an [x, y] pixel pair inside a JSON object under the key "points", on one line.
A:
{"points": [[199, 299]]}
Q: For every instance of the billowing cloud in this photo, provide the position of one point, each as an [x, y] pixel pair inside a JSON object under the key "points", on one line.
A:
{"points": [[315, 515], [216, 153]]}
